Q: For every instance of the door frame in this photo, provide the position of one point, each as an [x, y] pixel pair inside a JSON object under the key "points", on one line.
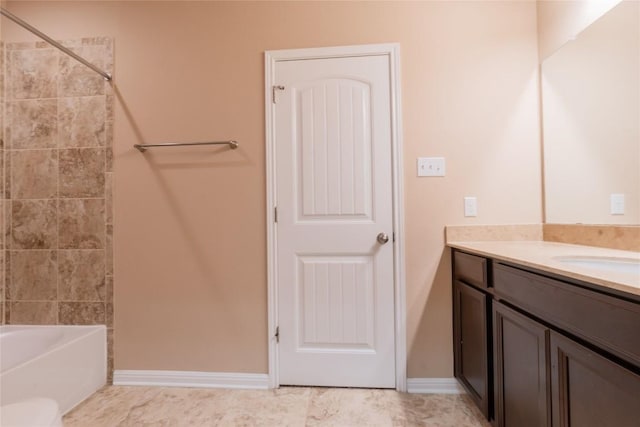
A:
{"points": [[272, 57]]}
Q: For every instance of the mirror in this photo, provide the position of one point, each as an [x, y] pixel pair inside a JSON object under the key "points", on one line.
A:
{"points": [[591, 123]]}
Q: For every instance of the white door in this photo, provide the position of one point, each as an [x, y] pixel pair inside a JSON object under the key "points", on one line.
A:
{"points": [[335, 279]]}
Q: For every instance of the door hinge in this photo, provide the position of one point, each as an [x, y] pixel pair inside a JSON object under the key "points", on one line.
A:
{"points": [[275, 214], [277, 335], [273, 92]]}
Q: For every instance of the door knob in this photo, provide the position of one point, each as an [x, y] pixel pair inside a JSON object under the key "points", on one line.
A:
{"points": [[382, 238]]}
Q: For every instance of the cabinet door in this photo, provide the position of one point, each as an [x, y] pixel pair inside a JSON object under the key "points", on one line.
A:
{"points": [[591, 390], [471, 348], [520, 363]]}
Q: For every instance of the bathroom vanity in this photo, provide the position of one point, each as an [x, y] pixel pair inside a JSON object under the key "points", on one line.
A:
{"points": [[547, 334]]}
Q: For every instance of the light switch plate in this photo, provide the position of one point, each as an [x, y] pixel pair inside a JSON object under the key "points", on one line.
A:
{"points": [[470, 206], [617, 204], [431, 166]]}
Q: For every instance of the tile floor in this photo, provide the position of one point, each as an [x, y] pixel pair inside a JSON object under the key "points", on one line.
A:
{"points": [[287, 406]]}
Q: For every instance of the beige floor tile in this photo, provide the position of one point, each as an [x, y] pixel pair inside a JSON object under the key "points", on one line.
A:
{"points": [[343, 407], [288, 406]]}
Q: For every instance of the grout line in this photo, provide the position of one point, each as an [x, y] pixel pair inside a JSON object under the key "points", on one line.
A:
{"points": [[81, 147], [3, 293], [57, 136], [53, 249], [84, 301], [59, 198], [55, 98], [104, 214]]}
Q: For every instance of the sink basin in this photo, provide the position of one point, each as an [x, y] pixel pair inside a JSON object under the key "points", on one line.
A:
{"points": [[613, 264]]}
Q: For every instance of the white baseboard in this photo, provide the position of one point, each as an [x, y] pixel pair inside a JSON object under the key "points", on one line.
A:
{"points": [[254, 381], [191, 379], [434, 386]]}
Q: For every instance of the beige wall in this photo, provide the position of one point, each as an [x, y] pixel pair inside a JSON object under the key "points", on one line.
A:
{"points": [[562, 20], [591, 104], [190, 246]]}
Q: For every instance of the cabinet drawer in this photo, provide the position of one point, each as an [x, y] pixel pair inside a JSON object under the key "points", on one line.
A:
{"points": [[606, 321], [471, 269]]}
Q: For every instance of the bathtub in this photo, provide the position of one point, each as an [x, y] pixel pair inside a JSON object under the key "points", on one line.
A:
{"points": [[64, 363]]}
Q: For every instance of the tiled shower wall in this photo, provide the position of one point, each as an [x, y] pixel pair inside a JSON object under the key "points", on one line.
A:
{"points": [[2, 192], [58, 122]]}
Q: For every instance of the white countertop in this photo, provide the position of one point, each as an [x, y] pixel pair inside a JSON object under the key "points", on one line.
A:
{"points": [[544, 256]]}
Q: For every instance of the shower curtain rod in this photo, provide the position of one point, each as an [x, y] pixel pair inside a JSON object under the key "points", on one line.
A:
{"points": [[54, 43]]}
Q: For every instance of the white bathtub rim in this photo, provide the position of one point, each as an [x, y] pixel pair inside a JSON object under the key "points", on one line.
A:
{"points": [[34, 342], [70, 383], [93, 329]]}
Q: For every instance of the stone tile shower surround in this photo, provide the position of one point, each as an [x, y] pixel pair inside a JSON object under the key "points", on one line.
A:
{"points": [[56, 186], [2, 186]]}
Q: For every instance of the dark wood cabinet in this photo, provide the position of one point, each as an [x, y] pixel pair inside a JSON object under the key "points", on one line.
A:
{"points": [[520, 363], [610, 322], [590, 390], [542, 350], [471, 338]]}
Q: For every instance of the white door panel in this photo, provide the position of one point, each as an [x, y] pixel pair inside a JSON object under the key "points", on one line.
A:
{"points": [[335, 149], [334, 195], [336, 303]]}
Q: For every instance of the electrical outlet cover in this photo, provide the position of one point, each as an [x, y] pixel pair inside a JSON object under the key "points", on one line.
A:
{"points": [[617, 204], [470, 206]]}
